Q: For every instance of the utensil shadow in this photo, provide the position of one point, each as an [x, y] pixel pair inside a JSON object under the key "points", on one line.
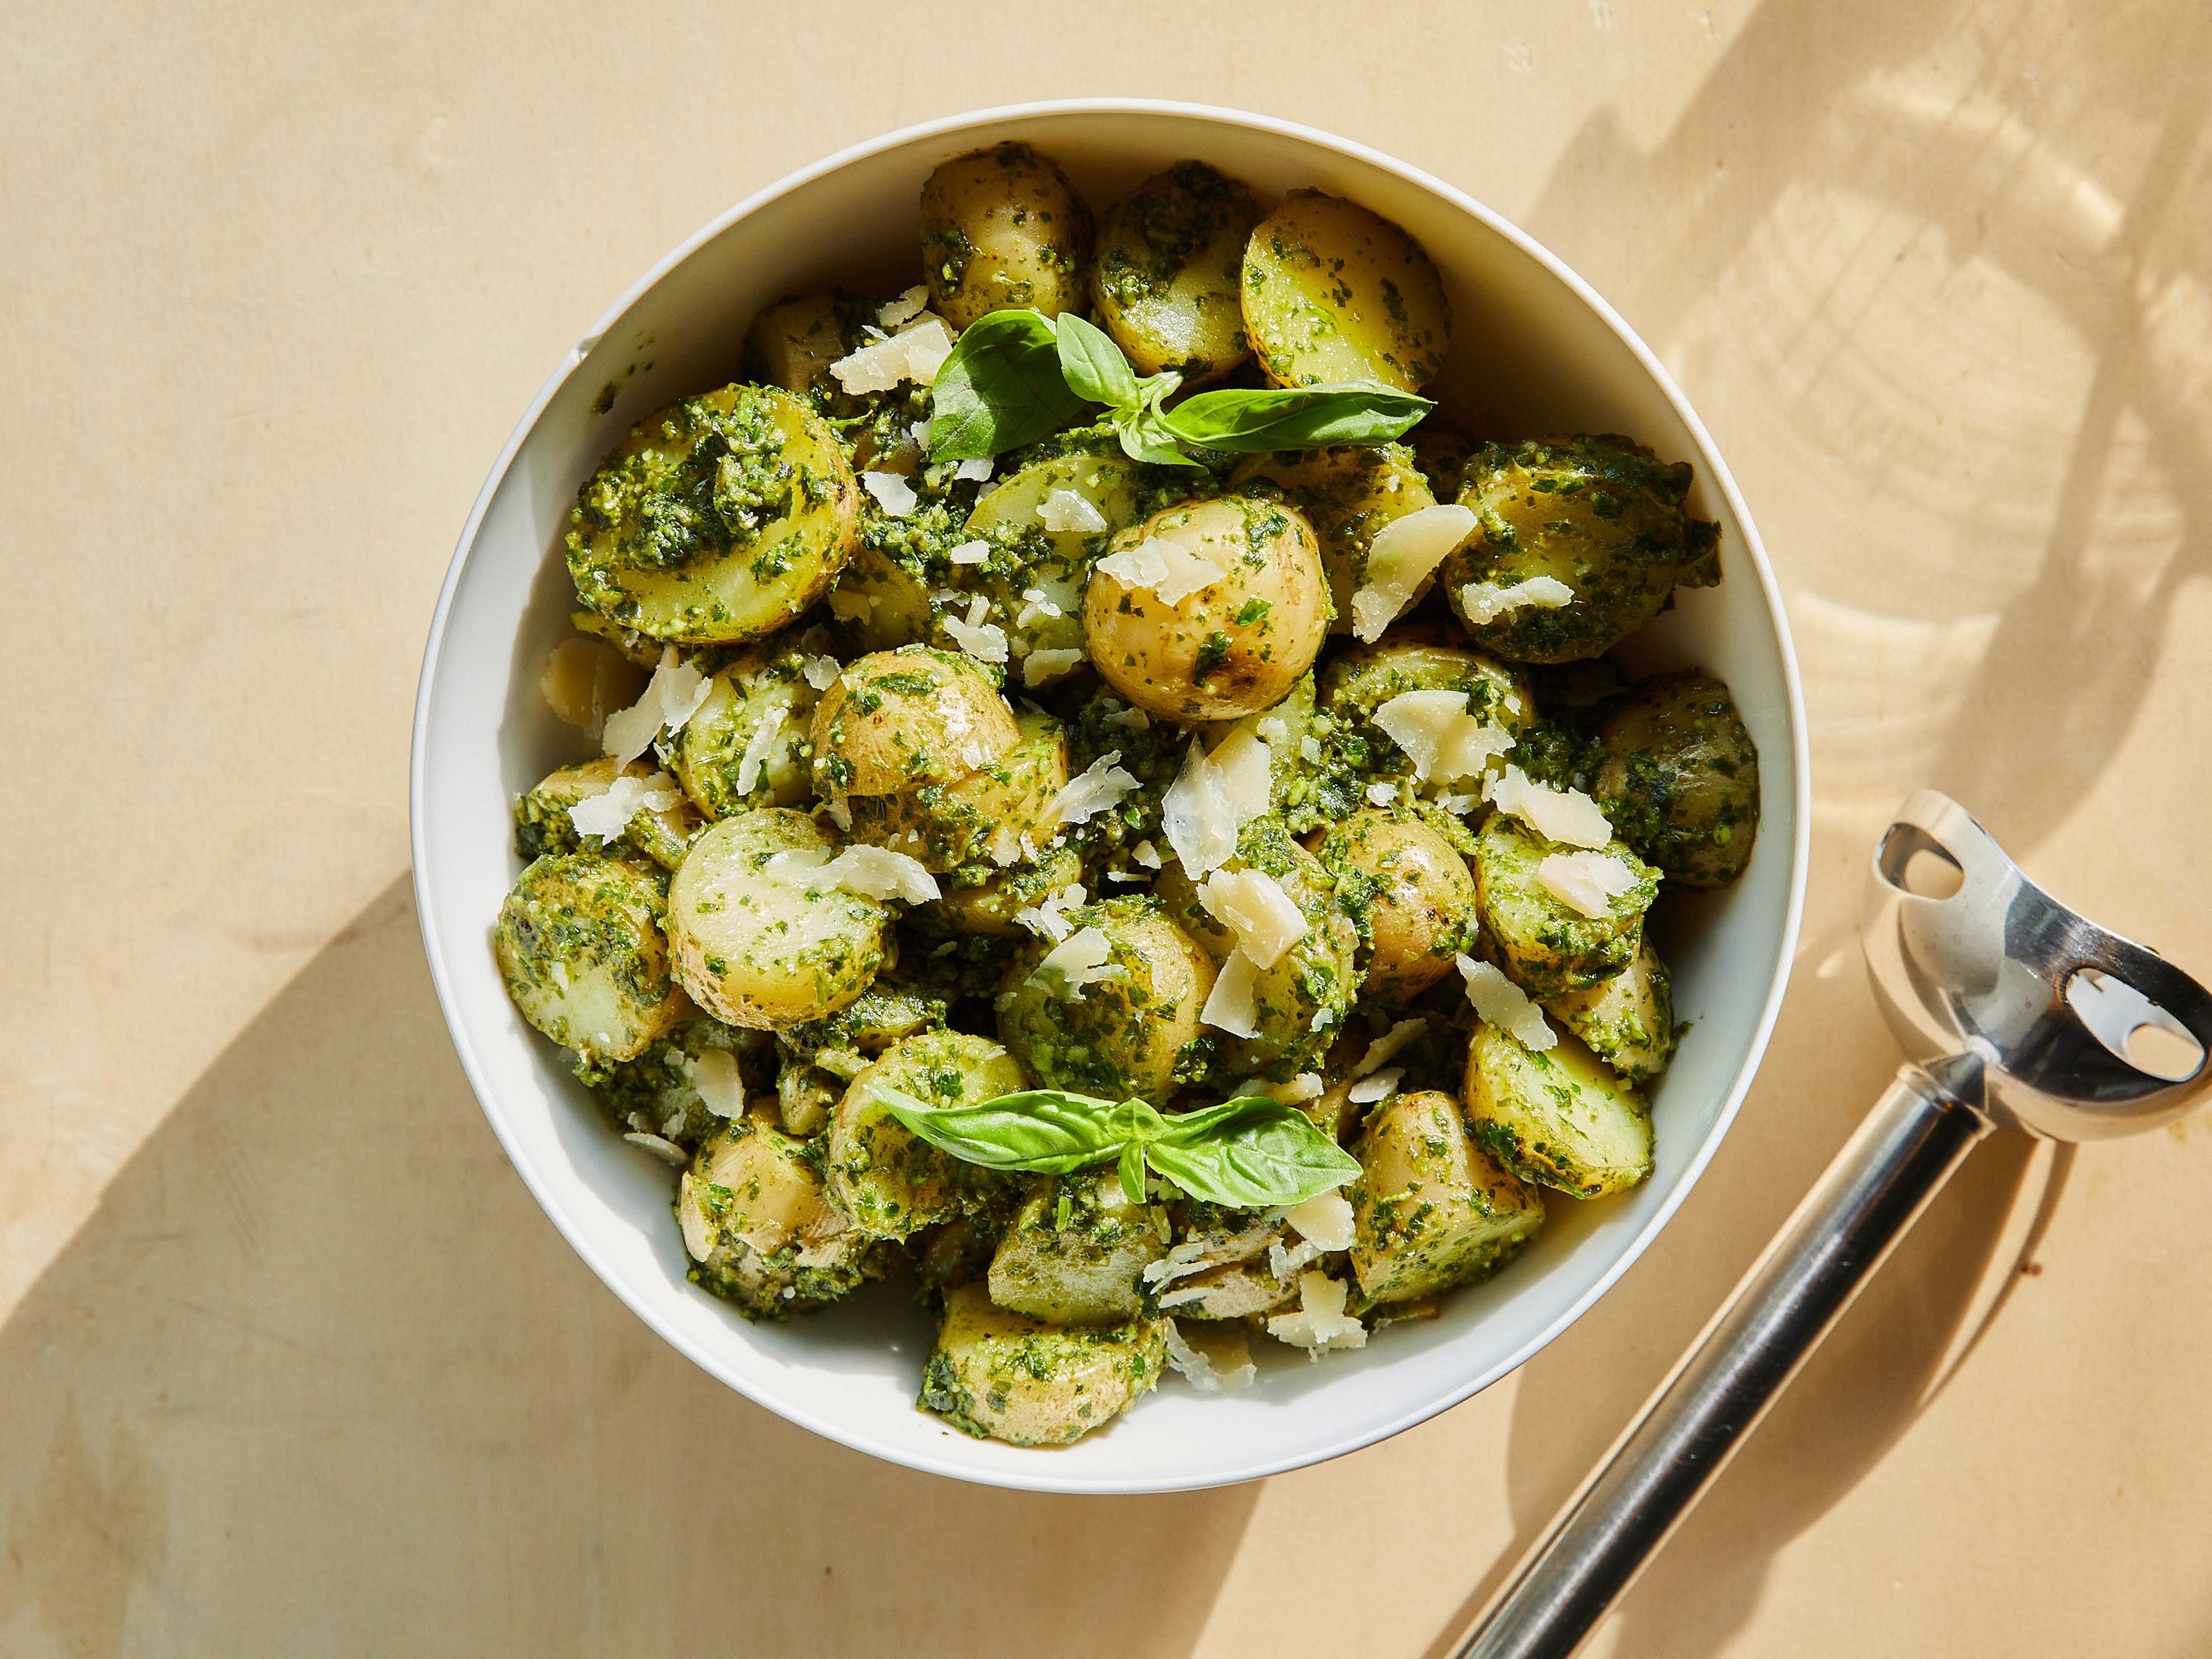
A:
{"points": [[318, 1377]]}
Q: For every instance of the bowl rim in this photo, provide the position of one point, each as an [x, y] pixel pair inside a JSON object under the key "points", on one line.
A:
{"points": [[1041, 1478]]}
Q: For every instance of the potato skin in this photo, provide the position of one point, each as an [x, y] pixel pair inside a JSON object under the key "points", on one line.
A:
{"points": [[1560, 1117], [1002, 229], [1549, 948], [1626, 1019], [1083, 1272], [886, 1178], [1599, 513], [897, 720], [543, 826], [717, 520], [1679, 780], [1413, 893], [1168, 281], [761, 953], [1123, 1037], [944, 826], [762, 1231], [580, 944], [1431, 1209], [1231, 648], [1333, 292], [792, 342], [767, 681], [1007, 1377], [1348, 494]]}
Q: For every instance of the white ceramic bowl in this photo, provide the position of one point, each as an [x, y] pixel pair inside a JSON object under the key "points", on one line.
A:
{"points": [[1533, 351]]}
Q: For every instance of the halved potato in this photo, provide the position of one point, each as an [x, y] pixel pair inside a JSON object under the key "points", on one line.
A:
{"points": [[764, 1235], [1627, 1018], [879, 603], [751, 731], [897, 720], [1002, 228], [580, 943], [1430, 1208], [717, 520], [1348, 494], [888, 1180], [542, 823], [792, 342], [1167, 284], [1120, 1035], [1074, 1251], [1007, 1377], [1544, 943], [1333, 292], [945, 826], [1414, 892], [991, 906], [1559, 1117]]}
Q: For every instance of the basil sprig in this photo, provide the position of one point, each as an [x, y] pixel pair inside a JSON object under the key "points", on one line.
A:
{"points": [[1250, 1154], [1014, 376]]}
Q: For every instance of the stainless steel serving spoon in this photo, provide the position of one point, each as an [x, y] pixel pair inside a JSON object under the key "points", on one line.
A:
{"points": [[2016, 1012]]}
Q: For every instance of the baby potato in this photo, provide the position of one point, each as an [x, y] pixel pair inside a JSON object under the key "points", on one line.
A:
{"points": [[760, 948], [991, 906], [1416, 893], [1348, 494], [792, 342], [1542, 942], [878, 604], [888, 1179], [751, 731], [1003, 1376], [765, 1236], [717, 520], [1626, 1019], [580, 943], [897, 720], [1599, 514], [945, 826], [1002, 228], [1117, 1037], [1358, 682], [1679, 780], [1558, 1117], [541, 823], [1431, 1210], [1231, 648], [1441, 454], [1168, 280], [1078, 1265], [1333, 292]]}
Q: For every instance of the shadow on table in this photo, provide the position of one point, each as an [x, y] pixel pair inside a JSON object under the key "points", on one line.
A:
{"points": [[318, 1377]]}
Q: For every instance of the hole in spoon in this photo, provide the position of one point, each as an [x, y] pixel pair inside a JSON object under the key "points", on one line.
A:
{"points": [[1913, 861], [2133, 1027]]}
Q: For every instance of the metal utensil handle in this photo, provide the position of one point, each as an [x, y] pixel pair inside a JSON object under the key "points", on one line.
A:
{"points": [[1920, 1131]]}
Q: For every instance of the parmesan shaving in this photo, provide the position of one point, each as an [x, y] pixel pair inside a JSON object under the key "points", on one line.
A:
{"points": [[1567, 815], [904, 309], [671, 696], [1231, 1006], [893, 494], [1382, 794], [1588, 881], [1381, 1051], [1063, 510], [763, 741], [1306, 1086], [975, 469], [1146, 855], [714, 1075], [1320, 1325], [1440, 737], [821, 672], [1246, 766], [1402, 556], [970, 552], [873, 872], [1381, 1085], [1483, 602], [1081, 959], [1252, 905], [1499, 1001], [608, 813], [1103, 784], [1158, 565], [1324, 1219], [915, 354], [666, 1150], [1041, 666], [1049, 920], [986, 641], [1223, 1365]]}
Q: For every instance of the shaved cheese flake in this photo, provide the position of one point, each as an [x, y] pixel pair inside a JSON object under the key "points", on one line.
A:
{"points": [[607, 813], [1209, 802], [1252, 905], [1129, 720], [975, 469], [1324, 1219], [873, 872], [1231, 1006], [1246, 766], [666, 1150], [1438, 735], [1049, 920], [1382, 794], [1320, 1325], [1402, 556], [893, 494], [1483, 602], [985, 642], [714, 1075], [1103, 784], [1146, 855], [914, 354], [671, 696], [1306, 1086], [1081, 959], [841, 813], [1223, 1364], [904, 309], [970, 553], [1309, 749], [1380, 1051], [1588, 881], [1380, 1086], [1063, 510], [1041, 666], [1499, 1001], [1158, 565], [759, 747], [821, 672], [1567, 815]]}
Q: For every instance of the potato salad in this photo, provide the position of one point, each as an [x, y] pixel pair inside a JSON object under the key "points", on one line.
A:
{"points": [[1092, 800]]}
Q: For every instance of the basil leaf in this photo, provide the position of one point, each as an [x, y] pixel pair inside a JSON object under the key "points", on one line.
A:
{"points": [[1251, 1153], [1145, 437], [1093, 366], [1133, 1173], [1047, 1131], [1000, 388], [1297, 418]]}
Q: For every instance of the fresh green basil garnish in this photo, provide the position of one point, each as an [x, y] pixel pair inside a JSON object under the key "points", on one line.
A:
{"points": [[1014, 376], [1250, 1153]]}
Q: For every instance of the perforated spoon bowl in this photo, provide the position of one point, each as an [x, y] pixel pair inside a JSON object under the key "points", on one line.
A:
{"points": [[2015, 1011]]}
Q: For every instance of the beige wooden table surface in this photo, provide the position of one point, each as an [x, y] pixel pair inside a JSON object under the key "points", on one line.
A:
{"points": [[290, 1362]]}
